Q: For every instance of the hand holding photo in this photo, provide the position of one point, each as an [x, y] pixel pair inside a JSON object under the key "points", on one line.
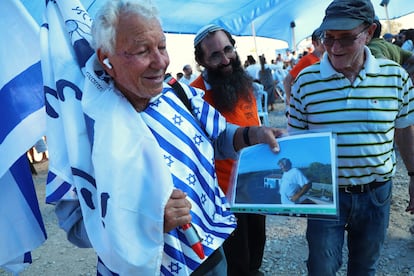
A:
{"points": [[299, 180]]}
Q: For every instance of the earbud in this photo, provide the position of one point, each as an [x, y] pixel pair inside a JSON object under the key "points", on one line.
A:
{"points": [[107, 63]]}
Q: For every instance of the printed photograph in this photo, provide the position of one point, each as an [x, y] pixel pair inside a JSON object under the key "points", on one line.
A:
{"points": [[299, 180]]}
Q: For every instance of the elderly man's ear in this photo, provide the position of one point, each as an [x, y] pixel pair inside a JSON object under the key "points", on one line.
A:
{"points": [[105, 62], [371, 31]]}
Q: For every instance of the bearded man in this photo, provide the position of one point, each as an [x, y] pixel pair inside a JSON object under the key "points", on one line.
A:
{"points": [[230, 90]]}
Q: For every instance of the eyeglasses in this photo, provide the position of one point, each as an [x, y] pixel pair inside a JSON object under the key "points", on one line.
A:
{"points": [[344, 41], [216, 57]]}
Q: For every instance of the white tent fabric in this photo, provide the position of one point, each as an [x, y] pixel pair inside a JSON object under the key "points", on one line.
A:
{"points": [[271, 18]]}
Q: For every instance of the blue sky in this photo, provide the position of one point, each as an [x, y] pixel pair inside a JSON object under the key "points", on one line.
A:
{"points": [[300, 149]]}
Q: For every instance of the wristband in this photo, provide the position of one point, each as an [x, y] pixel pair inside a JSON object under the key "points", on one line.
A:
{"points": [[410, 173], [246, 136]]}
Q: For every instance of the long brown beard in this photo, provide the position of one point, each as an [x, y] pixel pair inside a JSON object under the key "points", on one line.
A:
{"points": [[227, 89]]}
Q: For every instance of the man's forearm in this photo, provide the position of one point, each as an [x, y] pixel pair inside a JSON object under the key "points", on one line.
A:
{"points": [[287, 85], [301, 192], [404, 138]]}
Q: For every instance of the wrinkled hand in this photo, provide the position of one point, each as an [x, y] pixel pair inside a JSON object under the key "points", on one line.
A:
{"points": [[267, 135], [410, 207], [176, 211]]}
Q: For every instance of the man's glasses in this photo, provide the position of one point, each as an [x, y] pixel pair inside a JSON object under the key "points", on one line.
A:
{"points": [[216, 57], [344, 41]]}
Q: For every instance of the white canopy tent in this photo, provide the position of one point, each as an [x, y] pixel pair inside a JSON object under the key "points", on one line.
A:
{"points": [[270, 18]]}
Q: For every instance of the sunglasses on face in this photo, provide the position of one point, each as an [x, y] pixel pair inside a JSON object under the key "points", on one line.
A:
{"points": [[344, 41]]}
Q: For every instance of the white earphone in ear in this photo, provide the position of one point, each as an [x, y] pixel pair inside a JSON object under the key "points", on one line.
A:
{"points": [[107, 63]]}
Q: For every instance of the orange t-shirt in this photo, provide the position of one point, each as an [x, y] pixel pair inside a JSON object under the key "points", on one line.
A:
{"points": [[245, 114], [304, 62]]}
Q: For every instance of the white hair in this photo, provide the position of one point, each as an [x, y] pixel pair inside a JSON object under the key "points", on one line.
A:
{"points": [[107, 18]]}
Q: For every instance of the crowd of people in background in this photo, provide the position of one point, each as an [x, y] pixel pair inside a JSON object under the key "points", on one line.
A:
{"points": [[404, 39], [272, 76], [278, 76]]}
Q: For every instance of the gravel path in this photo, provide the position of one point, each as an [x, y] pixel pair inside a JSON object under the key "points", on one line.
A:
{"points": [[285, 252]]}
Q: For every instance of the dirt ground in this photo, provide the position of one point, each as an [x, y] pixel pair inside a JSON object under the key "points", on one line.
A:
{"points": [[56, 256], [285, 252]]}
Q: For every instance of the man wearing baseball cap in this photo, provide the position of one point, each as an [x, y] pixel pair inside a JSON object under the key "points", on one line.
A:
{"points": [[364, 101]]}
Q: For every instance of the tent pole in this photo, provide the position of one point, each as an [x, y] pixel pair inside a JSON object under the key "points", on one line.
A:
{"points": [[254, 39], [388, 18], [292, 27]]}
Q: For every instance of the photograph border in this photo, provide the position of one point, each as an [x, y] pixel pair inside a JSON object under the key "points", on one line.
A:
{"points": [[256, 178]]}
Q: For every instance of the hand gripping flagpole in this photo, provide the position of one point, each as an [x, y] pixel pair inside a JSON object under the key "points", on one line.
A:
{"points": [[194, 239]]}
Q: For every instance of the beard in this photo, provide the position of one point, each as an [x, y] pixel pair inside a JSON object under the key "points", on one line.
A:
{"points": [[229, 87]]}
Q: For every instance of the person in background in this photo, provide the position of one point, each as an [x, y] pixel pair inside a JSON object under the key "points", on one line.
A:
{"points": [[40, 148], [178, 76], [388, 37], [166, 178], [399, 38], [279, 61], [229, 89], [188, 75], [268, 82], [381, 48], [304, 62], [288, 60], [252, 68], [408, 43], [364, 101]]}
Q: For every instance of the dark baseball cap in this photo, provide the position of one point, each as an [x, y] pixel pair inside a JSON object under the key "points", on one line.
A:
{"points": [[347, 14]]}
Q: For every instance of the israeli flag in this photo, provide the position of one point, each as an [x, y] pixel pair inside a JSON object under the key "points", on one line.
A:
{"points": [[22, 123]]}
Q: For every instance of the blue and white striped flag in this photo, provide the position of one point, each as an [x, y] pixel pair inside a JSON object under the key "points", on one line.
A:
{"points": [[64, 50], [134, 164], [22, 123]]}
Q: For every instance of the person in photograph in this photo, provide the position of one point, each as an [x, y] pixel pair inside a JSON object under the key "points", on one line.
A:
{"points": [[293, 184], [365, 102], [230, 90]]}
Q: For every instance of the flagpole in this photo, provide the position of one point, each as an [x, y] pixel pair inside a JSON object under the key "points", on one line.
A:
{"points": [[388, 18]]}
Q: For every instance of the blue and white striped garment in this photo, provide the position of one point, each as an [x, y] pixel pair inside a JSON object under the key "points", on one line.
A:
{"points": [[22, 123], [123, 164], [188, 152], [184, 143]]}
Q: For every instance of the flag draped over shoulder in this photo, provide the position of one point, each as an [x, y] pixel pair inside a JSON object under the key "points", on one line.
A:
{"points": [[137, 160], [22, 123], [130, 246]]}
